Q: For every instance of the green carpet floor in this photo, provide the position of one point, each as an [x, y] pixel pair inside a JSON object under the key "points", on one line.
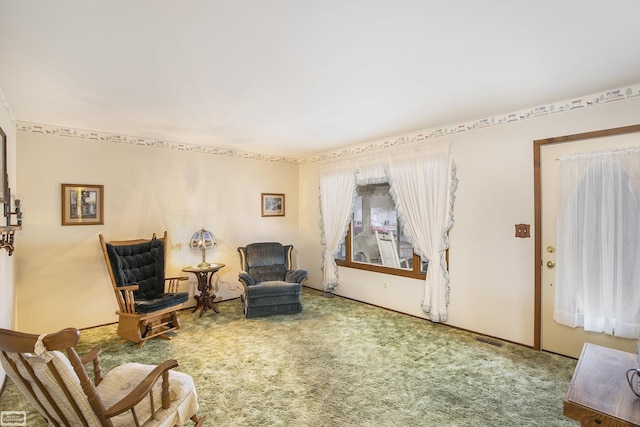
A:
{"points": [[344, 363]]}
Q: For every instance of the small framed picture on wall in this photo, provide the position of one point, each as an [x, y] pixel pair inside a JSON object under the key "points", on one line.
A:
{"points": [[272, 204], [82, 204]]}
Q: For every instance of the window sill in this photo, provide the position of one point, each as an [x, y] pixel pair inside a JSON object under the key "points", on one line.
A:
{"points": [[383, 269]]}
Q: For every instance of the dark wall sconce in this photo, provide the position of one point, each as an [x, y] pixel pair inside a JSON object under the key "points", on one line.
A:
{"points": [[14, 223], [13, 217]]}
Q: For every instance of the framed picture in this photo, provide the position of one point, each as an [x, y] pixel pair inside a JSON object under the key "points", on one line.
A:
{"points": [[82, 204], [272, 204], [4, 177]]}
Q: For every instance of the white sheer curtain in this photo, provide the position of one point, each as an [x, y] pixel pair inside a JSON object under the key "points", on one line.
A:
{"points": [[423, 183], [337, 192], [598, 242], [423, 186], [372, 170]]}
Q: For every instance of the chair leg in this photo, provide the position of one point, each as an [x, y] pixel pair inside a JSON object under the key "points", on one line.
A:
{"points": [[145, 328], [199, 421], [129, 328]]}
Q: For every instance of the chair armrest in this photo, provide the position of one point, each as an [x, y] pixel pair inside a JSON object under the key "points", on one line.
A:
{"points": [[180, 278], [296, 276], [94, 356], [128, 298], [246, 279], [144, 388]]}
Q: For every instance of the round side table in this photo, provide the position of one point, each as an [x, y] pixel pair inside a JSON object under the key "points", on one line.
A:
{"points": [[206, 299]]}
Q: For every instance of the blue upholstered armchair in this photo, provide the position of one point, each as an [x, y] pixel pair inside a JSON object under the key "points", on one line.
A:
{"points": [[148, 301], [271, 286]]}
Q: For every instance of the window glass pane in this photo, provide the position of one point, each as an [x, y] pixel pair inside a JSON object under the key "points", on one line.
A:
{"points": [[424, 263], [341, 253], [375, 230]]}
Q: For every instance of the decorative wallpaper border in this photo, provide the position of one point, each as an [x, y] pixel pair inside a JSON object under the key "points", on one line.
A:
{"points": [[544, 110], [589, 101], [148, 142]]}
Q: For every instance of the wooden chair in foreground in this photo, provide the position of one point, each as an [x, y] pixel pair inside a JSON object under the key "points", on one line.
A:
{"points": [[63, 393], [147, 309]]}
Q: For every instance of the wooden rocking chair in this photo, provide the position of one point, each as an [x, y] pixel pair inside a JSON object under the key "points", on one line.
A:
{"points": [[63, 393], [146, 309]]}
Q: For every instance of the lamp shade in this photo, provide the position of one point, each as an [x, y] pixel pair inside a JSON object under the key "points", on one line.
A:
{"points": [[203, 240]]}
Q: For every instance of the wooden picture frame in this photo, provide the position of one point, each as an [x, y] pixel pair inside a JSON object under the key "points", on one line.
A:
{"points": [[4, 176], [82, 204], [272, 204]]}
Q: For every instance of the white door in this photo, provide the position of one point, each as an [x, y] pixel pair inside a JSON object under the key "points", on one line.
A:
{"points": [[555, 337]]}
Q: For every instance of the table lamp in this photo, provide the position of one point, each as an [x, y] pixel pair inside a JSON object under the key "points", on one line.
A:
{"points": [[203, 240]]}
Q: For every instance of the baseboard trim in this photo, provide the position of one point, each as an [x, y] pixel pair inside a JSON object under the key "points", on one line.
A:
{"points": [[479, 334]]}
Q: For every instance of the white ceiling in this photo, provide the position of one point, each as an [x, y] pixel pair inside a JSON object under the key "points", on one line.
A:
{"points": [[301, 77]]}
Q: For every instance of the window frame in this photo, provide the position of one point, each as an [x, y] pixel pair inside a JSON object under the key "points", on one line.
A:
{"points": [[416, 273]]}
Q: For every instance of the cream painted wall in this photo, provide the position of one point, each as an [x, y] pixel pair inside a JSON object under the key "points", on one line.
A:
{"points": [[492, 272], [7, 302], [62, 279]]}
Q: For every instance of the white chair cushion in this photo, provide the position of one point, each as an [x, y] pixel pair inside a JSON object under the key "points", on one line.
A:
{"points": [[122, 379]]}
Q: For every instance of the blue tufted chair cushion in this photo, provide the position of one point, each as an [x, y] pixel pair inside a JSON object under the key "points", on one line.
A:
{"points": [[266, 261], [143, 265]]}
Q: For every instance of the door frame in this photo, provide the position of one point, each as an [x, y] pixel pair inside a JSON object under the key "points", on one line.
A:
{"points": [[537, 194]]}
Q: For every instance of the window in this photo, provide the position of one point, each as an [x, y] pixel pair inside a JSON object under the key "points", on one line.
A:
{"points": [[375, 240]]}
